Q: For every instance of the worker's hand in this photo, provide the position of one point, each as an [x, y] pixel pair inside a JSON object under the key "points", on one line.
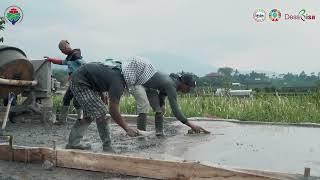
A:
{"points": [[132, 132], [197, 129]]}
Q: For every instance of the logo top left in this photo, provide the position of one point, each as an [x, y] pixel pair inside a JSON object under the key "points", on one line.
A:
{"points": [[13, 14]]}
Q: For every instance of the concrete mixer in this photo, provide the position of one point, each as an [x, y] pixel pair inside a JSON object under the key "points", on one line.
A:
{"points": [[29, 78]]}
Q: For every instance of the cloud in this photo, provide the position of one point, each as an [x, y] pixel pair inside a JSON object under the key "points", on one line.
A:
{"points": [[211, 32]]}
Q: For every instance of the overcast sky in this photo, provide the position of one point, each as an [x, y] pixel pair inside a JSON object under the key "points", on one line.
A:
{"points": [[190, 33]]}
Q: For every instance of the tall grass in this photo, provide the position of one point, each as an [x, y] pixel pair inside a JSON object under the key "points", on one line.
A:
{"points": [[303, 108]]}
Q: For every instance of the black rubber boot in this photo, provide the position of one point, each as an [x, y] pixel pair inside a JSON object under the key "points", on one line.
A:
{"points": [[158, 121], [62, 118], [104, 133], [142, 121], [76, 134]]}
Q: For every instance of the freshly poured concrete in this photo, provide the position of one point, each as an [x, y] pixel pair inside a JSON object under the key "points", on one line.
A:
{"points": [[265, 147], [276, 148]]}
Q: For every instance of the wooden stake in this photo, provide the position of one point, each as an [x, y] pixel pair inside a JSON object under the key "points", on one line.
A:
{"points": [[307, 172]]}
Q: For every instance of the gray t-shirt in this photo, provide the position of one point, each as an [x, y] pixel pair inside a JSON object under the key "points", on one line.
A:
{"points": [[166, 85], [101, 78]]}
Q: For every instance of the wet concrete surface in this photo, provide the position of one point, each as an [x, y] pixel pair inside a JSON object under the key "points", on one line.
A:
{"points": [[277, 148]]}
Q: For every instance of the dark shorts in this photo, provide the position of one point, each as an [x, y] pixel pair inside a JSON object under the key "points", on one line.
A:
{"points": [[89, 100]]}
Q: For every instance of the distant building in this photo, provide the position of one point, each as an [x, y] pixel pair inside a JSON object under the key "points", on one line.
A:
{"points": [[214, 74], [236, 84]]}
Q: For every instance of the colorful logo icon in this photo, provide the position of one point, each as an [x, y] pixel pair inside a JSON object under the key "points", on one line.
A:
{"points": [[13, 14], [259, 15], [275, 15]]}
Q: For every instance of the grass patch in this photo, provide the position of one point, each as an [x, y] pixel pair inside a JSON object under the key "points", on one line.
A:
{"points": [[302, 108]]}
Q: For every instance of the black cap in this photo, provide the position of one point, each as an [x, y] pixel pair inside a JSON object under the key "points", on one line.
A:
{"points": [[188, 80]]}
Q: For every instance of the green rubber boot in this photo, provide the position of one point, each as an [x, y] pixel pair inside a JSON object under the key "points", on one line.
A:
{"points": [[158, 121], [104, 133], [77, 132], [62, 118], [142, 121]]}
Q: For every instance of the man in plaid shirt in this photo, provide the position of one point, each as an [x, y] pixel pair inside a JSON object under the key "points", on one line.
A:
{"points": [[139, 71], [86, 84]]}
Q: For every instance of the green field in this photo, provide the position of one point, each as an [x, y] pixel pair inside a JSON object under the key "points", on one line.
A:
{"points": [[302, 108]]}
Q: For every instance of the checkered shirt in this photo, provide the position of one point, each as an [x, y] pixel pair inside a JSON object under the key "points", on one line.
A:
{"points": [[137, 71], [89, 100]]}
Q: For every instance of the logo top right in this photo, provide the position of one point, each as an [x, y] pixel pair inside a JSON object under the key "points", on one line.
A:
{"points": [[275, 15], [302, 15]]}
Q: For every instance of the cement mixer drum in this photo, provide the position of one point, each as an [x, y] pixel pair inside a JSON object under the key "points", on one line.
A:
{"points": [[14, 65]]}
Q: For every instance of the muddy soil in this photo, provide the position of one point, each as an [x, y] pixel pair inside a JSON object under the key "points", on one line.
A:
{"points": [[35, 133]]}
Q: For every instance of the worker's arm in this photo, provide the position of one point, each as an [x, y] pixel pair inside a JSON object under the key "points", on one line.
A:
{"points": [[54, 60], [116, 116], [115, 94], [172, 97]]}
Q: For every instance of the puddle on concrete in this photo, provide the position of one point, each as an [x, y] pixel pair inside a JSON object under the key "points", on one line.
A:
{"points": [[264, 147]]}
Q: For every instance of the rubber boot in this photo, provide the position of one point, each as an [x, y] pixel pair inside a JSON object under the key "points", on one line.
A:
{"points": [[104, 133], [76, 134], [158, 121], [79, 113], [63, 116], [142, 121]]}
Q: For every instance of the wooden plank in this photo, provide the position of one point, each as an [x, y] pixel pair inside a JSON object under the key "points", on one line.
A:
{"points": [[33, 155], [125, 165], [6, 153], [145, 167], [279, 175]]}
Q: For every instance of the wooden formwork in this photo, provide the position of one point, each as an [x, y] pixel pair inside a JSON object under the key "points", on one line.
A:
{"points": [[150, 168]]}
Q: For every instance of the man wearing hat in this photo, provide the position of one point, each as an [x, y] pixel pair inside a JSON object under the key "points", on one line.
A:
{"points": [[73, 61]]}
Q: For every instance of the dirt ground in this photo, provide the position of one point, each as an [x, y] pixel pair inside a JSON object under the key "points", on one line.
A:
{"points": [[264, 147], [35, 133]]}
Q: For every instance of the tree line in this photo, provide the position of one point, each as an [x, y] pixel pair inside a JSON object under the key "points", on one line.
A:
{"points": [[226, 76]]}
